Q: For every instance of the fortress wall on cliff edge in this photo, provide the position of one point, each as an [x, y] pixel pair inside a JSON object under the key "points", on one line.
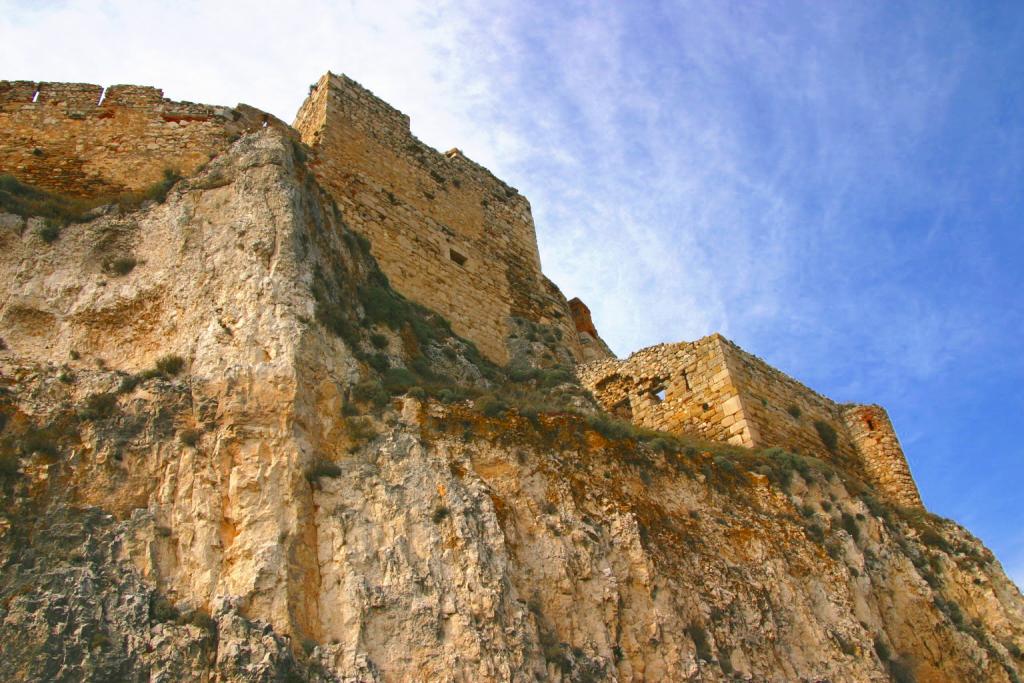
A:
{"points": [[82, 140], [446, 232], [683, 388], [785, 412], [712, 389]]}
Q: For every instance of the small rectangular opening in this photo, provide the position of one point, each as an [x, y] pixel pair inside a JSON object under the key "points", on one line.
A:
{"points": [[457, 257], [656, 389]]}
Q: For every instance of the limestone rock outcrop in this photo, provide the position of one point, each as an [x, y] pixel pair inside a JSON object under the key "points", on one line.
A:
{"points": [[231, 452], [592, 347]]}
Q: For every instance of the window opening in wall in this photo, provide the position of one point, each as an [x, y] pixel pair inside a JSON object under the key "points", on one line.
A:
{"points": [[103, 96], [623, 409], [457, 257], [35, 96], [658, 394], [871, 424]]}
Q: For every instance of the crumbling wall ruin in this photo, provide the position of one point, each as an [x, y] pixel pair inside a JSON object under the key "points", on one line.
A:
{"points": [[684, 388], [875, 438], [712, 389], [83, 140]]}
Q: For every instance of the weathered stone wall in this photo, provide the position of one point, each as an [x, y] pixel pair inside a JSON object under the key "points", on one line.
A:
{"points": [[83, 140], [714, 390], [683, 388], [785, 411], [873, 434], [447, 233]]}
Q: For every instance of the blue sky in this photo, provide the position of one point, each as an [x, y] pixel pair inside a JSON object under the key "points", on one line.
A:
{"points": [[835, 186]]}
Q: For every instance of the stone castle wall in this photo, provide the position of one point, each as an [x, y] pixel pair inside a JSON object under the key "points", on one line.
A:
{"points": [[714, 390], [872, 432], [82, 140], [684, 388], [785, 411], [447, 233]]}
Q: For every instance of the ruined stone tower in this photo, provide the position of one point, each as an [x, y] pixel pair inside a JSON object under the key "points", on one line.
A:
{"points": [[447, 233]]}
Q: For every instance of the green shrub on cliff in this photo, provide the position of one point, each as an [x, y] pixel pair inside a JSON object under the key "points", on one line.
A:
{"points": [[321, 468], [170, 364], [119, 266], [98, 406], [25, 200], [8, 466], [827, 433]]}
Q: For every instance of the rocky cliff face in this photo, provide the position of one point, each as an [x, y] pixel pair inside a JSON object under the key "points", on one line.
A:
{"points": [[231, 453]]}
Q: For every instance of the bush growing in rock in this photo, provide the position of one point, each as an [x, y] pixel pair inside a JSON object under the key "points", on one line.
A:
{"points": [[322, 468], [98, 406], [170, 364], [360, 429], [161, 609], [39, 441], [849, 523], [8, 466], [490, 405], [119, 266], [24, 200], [49, 232], [827, 433], [370, 391], [612, 428], [190, 437], [399, 380]]}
